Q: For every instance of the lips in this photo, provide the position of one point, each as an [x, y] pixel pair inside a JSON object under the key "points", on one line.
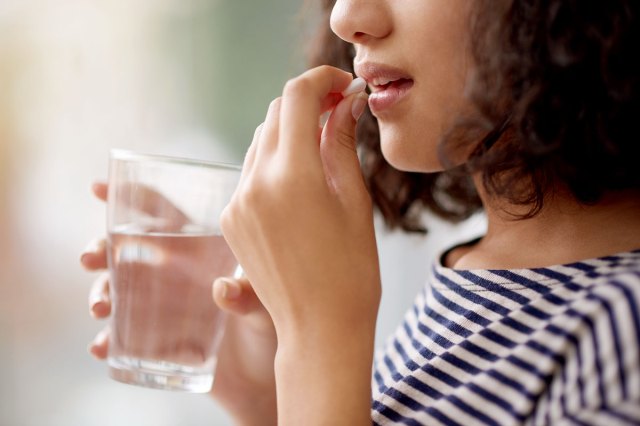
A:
{"points": [[389, 85]]}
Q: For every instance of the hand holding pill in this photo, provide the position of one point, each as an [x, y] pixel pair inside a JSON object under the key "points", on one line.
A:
{"points": [[301, 226]]}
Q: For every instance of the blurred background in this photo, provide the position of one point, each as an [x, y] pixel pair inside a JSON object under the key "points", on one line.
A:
{"points": [[77, 78]]}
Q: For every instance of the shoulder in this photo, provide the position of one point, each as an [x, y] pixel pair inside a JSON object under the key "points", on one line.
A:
{"points": [[604, 367], [619, 285], [593, 331], [609, 304], [614, 277]]}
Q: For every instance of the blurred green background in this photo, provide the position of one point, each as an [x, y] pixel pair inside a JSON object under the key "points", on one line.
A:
{"points": [[257, 46]]}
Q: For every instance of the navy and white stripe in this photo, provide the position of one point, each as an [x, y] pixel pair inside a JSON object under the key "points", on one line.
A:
{"points": [[545, 346]]}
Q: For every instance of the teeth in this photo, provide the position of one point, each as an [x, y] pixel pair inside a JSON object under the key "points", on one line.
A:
{"points": [[380, 81]]}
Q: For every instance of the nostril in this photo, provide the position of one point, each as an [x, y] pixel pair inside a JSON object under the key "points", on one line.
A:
{"points": [[359, 36]]}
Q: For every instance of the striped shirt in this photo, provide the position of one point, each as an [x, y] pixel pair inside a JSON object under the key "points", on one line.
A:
{"points": [[545, 346]]}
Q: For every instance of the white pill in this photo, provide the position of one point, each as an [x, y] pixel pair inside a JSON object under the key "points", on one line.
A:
{"points": [[357, 85]]}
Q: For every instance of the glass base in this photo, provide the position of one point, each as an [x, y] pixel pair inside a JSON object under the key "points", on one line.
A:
{"points": [[160, 375]]}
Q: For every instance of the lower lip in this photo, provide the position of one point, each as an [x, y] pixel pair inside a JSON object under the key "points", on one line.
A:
{"points": [[383, 100]]}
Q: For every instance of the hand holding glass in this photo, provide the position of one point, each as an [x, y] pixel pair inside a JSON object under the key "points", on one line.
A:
{"points": [[165, 249]]}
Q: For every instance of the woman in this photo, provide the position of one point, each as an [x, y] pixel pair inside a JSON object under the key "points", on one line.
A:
{"points": [[537, 322]]}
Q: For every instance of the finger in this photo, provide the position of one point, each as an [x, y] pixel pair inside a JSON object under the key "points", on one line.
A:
{"points": [[236, 296], [94, 256], [99, 347], [338, 145], [330, 102], [268, 140], [100, 190], [99, 298], [144, 199], [250, 156], [147, 200], [303, 101]]}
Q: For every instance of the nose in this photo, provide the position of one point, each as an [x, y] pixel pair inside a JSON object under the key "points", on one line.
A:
{"points": [[360, 21]]}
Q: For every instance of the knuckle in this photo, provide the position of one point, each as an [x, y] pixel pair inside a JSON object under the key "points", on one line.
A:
{"points": [[325, 69], [346, 139], [226, 219], [296, 86], [281, 174], [258, 130], [275, 104], [256, 198], [249, 198]]}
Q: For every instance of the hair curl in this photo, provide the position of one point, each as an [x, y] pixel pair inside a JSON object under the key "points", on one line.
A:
{"points": [[555, 85]]}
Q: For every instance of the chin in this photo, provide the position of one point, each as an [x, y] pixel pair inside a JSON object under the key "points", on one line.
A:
{"points": [[409, 154]]}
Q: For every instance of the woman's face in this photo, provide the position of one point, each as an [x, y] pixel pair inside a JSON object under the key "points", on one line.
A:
{"points": [[414, 55]]}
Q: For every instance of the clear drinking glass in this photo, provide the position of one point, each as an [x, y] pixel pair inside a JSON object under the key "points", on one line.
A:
{"points": [[165, 249]]}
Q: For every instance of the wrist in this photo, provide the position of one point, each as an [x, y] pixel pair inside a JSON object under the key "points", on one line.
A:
{"points": [[259, 410], [323, 375]]}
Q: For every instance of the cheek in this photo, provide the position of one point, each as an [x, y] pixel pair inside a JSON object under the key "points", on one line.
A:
{"points": [[409, 148]]}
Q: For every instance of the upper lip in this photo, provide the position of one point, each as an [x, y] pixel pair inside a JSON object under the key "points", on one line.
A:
{"points": [[377, 75]]}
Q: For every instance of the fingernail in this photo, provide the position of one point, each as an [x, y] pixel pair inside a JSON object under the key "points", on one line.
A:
{"points": [[97, 342], [98, 307], [93, 247], [358, 105], [230, 289], [357, 85]]}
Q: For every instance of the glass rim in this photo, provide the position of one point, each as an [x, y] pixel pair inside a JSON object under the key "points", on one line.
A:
{"points": [[129, 155]]}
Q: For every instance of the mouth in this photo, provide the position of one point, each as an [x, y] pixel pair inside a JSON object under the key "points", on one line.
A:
{"points": [[388, 85], [381, 84]]}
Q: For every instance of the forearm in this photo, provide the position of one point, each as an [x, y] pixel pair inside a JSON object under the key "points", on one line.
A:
{"points": [[260, 410], [324, 378]]}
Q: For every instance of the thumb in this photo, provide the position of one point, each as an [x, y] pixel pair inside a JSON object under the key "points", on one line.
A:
{"points": [[338, 143], [236, 296]]}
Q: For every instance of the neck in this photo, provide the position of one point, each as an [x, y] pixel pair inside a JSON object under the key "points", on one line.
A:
{"points": [[564, 231]]}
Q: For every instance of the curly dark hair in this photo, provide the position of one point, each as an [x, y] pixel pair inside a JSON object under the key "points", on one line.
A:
{"points": [[555, 85]]}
